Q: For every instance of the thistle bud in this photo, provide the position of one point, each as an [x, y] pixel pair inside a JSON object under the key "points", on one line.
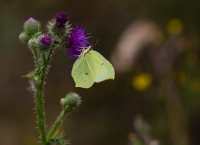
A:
{"points": [[45, 40], [32, 26], [61, 19], [71, 100], [23, 37], [33, 43], [59, 26]]}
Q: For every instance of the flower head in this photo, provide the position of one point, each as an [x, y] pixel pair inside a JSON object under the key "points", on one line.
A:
{"points": [[45, 40], [61, 18], [78, 40]]}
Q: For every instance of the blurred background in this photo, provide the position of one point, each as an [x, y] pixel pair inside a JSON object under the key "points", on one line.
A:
{"points": [[154, 46]]}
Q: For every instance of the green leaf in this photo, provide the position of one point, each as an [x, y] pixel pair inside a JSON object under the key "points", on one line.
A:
{"points": [[29, 75]]}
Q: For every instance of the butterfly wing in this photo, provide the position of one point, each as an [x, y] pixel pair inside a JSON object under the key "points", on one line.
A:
{"points": [[82, 73], [101, 67], [90, 68]]}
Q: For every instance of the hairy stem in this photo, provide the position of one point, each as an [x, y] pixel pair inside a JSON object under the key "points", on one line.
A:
{"points": [[58, 123], [40, 113], [39, 98]]}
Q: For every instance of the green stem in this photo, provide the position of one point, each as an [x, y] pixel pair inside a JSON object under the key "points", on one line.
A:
{"points": [[57, 124], [40, 113], [40, 102]]}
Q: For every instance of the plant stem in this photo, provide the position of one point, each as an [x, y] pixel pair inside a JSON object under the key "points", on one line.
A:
{"points": [[40, 113], [57, 124], [39, 100]]}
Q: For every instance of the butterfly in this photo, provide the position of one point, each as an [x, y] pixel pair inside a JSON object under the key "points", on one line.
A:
{"points": [[91, 67]]}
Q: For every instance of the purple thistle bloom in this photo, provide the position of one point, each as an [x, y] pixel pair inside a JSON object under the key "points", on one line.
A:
{"points": [[78, 40], [61, 18], [46, 40]]}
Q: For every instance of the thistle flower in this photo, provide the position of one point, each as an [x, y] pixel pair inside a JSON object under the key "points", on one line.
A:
{"points": [[42, 46], [61, 19], [78, 40], [45, 40]]}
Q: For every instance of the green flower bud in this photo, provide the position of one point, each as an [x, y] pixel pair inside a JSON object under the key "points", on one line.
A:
{"points": [[23, 37], [32, 26], [33, 43], [71, 100]]}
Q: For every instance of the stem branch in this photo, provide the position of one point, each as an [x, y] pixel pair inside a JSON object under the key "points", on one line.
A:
{"points": [[58, 123]]}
